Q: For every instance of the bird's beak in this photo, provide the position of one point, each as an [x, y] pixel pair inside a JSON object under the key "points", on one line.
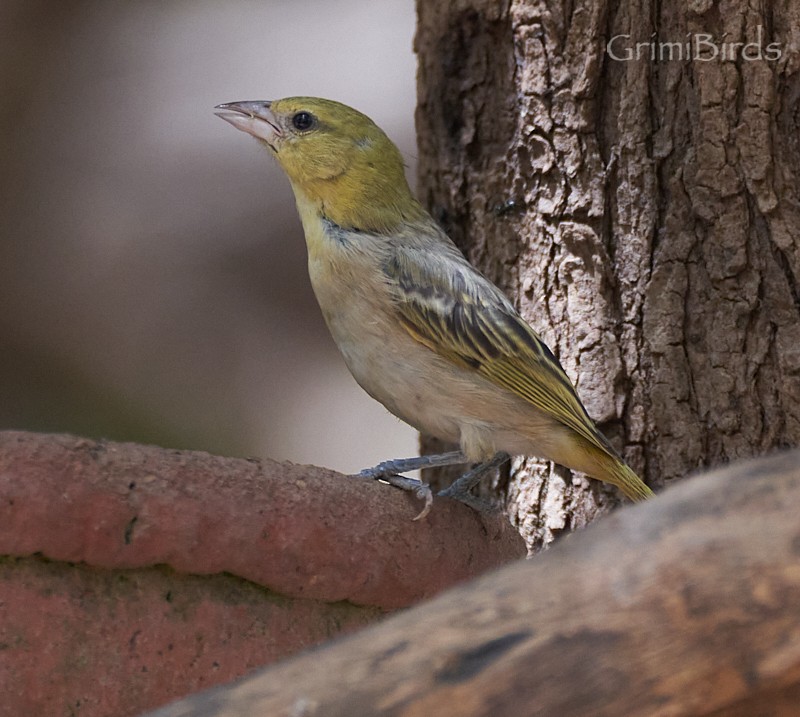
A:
{"points": [[253, 117]]}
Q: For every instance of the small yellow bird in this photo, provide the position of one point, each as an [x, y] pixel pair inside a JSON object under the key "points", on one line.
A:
{"points": [[421, 330]]}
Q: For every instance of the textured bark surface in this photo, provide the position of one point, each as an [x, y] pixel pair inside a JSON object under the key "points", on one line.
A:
{"points": [[686, 605], [644, 215]]}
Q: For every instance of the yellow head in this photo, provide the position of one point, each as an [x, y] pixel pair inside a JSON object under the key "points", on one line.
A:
{"points": [[335, 157]]}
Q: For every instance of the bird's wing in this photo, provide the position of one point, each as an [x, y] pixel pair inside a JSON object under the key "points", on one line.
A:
{"points": [[445, 304]]}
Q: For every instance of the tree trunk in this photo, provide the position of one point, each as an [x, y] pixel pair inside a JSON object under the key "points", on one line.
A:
{"points": [[641, 203]]}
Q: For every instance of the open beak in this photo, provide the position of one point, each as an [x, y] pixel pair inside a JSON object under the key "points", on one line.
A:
{"points": [[253, 117]]}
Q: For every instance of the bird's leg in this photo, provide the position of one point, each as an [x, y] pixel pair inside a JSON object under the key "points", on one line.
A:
{"points": [[389, 471], [460, 489], [403, 465]]}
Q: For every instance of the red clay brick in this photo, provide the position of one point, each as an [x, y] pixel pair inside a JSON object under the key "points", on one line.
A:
{"points": [[134, 574]]}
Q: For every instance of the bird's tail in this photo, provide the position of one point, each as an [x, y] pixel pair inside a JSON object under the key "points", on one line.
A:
{"points": [[599, 460], [614, 470], [629, 483]]}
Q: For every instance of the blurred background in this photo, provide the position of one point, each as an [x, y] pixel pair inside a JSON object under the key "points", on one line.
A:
{"points": [[152, 267]]}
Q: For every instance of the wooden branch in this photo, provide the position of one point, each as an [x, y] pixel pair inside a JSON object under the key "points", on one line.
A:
{"points": [[688, 604]]}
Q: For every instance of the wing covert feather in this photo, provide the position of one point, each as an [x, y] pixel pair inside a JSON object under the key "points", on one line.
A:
{"points": [[446, 305]]}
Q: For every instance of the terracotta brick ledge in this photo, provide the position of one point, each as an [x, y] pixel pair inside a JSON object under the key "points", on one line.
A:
{"points": [[133, 574]]}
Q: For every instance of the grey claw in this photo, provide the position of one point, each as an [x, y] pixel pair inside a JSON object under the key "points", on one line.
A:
{"points": [[417, 487], [424, 492]]}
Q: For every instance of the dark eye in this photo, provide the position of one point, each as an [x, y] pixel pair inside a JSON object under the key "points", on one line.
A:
{"points": [[303, 121]]}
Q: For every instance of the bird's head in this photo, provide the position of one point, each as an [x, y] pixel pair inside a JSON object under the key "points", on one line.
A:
{"points": [[336, 158]]}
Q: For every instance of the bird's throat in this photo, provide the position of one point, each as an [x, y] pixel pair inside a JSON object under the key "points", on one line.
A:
{"points": [[358, 205]]}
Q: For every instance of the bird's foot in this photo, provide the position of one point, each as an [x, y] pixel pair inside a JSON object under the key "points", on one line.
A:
{"points": [[412, 485], [403, 465], [417, 487], [477, 504], [389, 472], [460, 489]]}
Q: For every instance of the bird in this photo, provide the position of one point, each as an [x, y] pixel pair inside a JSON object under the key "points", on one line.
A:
{"points": [[420, 329]]}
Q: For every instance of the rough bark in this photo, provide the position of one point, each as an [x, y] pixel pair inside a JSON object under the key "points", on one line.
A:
{"points": [[686, 605], [645, 215]]}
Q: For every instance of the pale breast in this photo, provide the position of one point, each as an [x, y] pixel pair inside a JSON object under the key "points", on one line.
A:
{"points": [[412, 381], [345, 272]]}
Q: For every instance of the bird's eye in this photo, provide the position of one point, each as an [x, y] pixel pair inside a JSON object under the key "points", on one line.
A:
{"points": [[303, 121]]}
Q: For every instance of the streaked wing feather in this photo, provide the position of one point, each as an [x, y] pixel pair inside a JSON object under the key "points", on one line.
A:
{"points": [[453, 310]]}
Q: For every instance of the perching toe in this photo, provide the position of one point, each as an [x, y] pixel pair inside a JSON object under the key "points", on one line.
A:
{"points": [[418, 488]]}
